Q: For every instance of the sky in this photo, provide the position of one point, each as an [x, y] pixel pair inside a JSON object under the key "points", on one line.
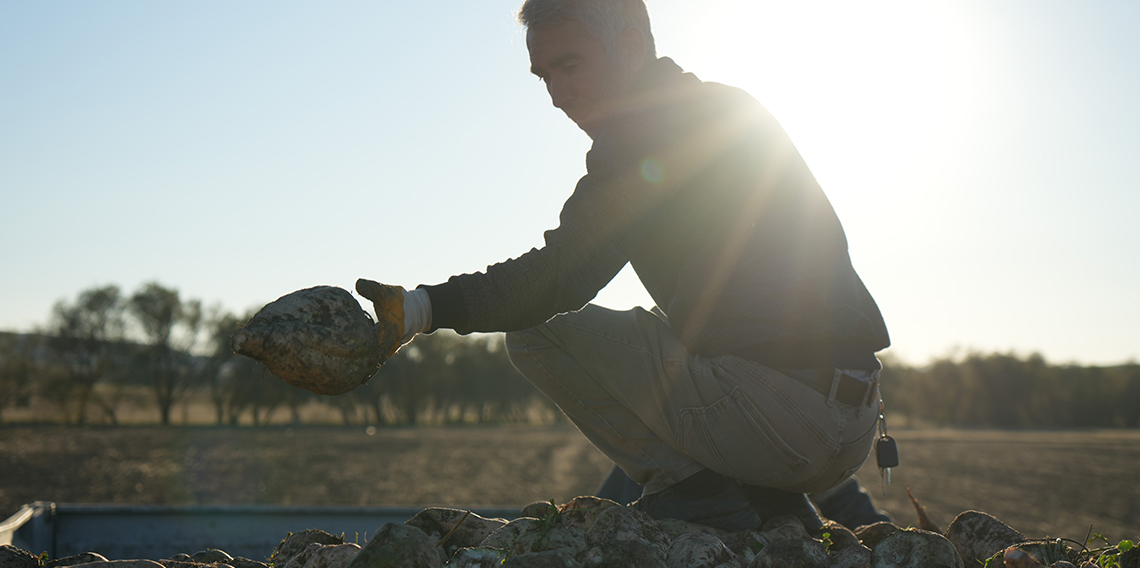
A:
{"points": [[980, 154]]}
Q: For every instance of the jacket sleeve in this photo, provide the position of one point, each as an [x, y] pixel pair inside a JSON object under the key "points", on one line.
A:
{"points": [[599, 228]]}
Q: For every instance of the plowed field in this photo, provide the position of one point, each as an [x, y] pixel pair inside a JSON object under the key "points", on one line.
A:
{"points": [[1041, 483]]}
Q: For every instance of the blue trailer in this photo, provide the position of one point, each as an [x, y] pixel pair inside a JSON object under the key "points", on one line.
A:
{"points": [[121, 532]]}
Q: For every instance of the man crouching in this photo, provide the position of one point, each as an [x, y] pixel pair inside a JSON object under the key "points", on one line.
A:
{"points": [[754, 379]]}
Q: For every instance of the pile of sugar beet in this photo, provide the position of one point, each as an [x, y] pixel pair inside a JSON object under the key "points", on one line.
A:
{"points": [[589, 532]]}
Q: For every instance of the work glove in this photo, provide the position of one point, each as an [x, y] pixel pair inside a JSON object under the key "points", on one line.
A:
{"points": [[388, 302], [400, 314]]}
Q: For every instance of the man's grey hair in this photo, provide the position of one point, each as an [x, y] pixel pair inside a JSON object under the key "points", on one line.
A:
{"points": [[603, 19]]}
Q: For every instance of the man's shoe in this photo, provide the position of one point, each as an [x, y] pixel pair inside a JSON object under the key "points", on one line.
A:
{"points": [[728, 509], [848, 505], [769, 503]]}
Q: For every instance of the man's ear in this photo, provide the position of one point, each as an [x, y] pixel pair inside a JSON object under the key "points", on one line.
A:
{"points": [[631, 47]]}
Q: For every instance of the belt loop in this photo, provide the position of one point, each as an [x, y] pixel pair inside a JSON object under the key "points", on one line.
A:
{"points": [[872, 387], [872, 390], [836, 374]]}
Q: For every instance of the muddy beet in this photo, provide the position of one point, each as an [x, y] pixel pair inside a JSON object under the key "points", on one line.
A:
{"points": [[593, 533], [319, 339]]}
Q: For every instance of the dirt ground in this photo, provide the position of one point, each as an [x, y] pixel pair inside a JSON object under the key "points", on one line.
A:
{"points": [[1041, 483]]}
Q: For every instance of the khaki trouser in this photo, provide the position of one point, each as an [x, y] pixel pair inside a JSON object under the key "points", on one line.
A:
{"points": [[663, 414]]}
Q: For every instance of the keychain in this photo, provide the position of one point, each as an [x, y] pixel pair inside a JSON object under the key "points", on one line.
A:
{"points": [[886, 452]]}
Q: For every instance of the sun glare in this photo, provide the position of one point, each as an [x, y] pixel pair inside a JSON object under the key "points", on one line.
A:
{"points": [[876, 96], [846, 80]]}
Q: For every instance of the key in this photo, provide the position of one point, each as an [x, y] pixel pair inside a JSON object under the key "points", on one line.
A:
{"points": [[886, 451], [887, 456]]}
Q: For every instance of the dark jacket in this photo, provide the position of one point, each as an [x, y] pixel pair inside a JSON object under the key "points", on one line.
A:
{"points": [[700, 189]]}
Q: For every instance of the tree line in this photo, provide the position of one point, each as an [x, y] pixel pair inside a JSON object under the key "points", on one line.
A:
{"points": [[1006, 390], [102, 348]]}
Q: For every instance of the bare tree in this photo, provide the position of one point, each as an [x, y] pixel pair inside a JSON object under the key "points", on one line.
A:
{"points": [[86, 345], [172, 329]]}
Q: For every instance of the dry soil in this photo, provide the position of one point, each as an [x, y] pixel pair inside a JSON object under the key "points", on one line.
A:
{"points": [[1041, 483]]}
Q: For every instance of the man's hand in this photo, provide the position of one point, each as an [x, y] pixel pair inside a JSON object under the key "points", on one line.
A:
{"points": [[388, 302]]}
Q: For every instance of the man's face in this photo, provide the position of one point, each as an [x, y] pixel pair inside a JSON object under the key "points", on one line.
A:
{"points": [[583, 80]]}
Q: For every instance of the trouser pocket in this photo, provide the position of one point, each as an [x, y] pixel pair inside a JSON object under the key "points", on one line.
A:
{"points": [[733, 437]]}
